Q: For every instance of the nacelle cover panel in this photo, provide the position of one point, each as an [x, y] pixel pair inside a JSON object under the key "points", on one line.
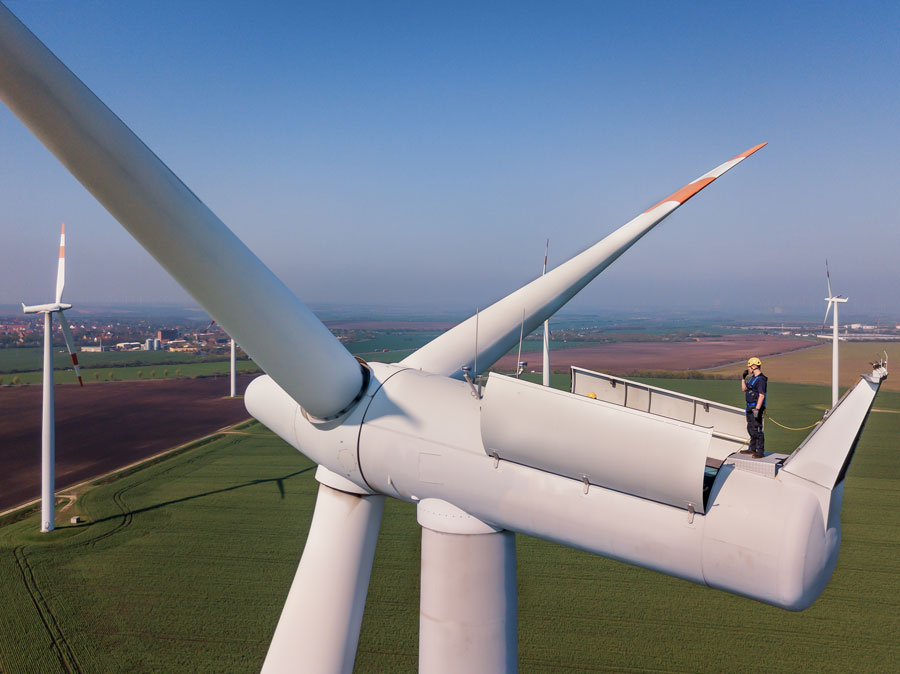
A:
{"points": [[627, 450]]}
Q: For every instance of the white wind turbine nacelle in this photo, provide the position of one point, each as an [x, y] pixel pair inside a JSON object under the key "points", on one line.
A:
{"points": [[478, 468]]}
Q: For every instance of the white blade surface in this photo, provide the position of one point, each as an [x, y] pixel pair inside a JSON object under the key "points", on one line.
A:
{"points": [[70, 345], [277, 330], [319, 626], [499, 324], [61, 269], [825, 455]]}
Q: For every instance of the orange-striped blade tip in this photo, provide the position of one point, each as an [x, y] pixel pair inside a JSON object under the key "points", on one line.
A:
{"points": [[685, 192], [63, 228], [80, 383], [747, 153]]}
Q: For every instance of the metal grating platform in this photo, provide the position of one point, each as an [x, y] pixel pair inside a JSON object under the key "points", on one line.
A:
{"points": [[767, 466]]}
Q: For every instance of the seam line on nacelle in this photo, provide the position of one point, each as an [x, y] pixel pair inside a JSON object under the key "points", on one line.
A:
{"points": [[362, 421]]}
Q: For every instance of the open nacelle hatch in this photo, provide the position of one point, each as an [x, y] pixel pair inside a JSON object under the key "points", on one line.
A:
{"points": [[614, 433]]}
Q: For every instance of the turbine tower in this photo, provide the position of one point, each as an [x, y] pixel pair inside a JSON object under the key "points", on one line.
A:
{"points": [[624, 481], [546, 378], [233, 379], [233, 369], [48, 434], [833, 300]]}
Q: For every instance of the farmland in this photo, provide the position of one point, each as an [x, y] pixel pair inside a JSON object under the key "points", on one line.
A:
{"points": [[21, 367], [813, 366], [184, 565], [101, 428], [623, 357]]}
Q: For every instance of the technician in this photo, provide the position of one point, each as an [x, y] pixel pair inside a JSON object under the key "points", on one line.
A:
{"points": [[753, 384]]}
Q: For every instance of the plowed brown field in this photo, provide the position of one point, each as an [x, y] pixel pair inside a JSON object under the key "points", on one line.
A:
{"points": [[102, 427], [625, 357]]}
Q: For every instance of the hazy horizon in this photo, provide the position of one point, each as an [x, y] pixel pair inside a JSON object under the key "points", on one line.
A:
{"points": [[415, 155], [338, 311]]}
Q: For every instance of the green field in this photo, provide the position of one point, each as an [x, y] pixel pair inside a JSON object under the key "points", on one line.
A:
{"points": [[184, 565], [163, 371], [19, 367], [393, 341], [26, 359]]}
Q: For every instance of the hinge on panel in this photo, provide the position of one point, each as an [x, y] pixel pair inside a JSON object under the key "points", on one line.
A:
{"points": [[691, 513], [476, 390]]}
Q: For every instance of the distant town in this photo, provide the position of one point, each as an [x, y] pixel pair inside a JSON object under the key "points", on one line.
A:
{"points": [[202, 337], [106, 334]]}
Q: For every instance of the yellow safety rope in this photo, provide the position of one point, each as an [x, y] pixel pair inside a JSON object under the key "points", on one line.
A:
{"points": [[790, 428]]}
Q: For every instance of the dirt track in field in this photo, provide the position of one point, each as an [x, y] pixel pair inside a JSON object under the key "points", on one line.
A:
{"points": [[624, 357], [105, 426]]}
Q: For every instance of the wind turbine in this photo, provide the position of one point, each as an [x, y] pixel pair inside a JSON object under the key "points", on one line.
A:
{"points": [[613, 480], [546, 378], [233, 375], [833, 300], [48, 433]]}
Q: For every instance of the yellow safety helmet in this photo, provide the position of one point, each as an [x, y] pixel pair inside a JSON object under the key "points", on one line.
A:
{"points": [[754, 361]]}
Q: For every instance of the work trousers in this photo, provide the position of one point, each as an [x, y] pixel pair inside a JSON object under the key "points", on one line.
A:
{"points": [[755, 430]]}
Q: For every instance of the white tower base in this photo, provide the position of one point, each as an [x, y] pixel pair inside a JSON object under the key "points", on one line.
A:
{"points": [[233, 382], [319, 626], [48, 433], [467, 617], [834, 361]]}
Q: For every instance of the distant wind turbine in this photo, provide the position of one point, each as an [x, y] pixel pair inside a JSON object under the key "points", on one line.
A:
{"points": [[48, 439], [233, 376], [233, 382], [546, 380], [833, 299]]}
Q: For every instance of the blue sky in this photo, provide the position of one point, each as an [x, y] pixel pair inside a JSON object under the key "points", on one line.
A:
{"points": [[420, 153]]}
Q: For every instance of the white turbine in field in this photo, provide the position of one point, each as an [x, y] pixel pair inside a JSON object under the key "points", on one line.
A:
{"points": [[233, 376], [833, 300], [649, 479], [48, 432], [546, 377]]}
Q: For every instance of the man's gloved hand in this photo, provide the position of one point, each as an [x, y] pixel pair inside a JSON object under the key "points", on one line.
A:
{"points": [[757, 413], [746, 372]]}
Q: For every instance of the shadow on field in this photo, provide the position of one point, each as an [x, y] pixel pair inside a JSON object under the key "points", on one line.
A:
{"points": [[279, 482]]}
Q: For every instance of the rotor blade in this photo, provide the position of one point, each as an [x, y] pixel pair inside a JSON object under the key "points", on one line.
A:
{"points": [[540, 299], [828, 281], [274, 327], [827, 309], [825, 455], [61, 269], [70, 345], [320, 622]]}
